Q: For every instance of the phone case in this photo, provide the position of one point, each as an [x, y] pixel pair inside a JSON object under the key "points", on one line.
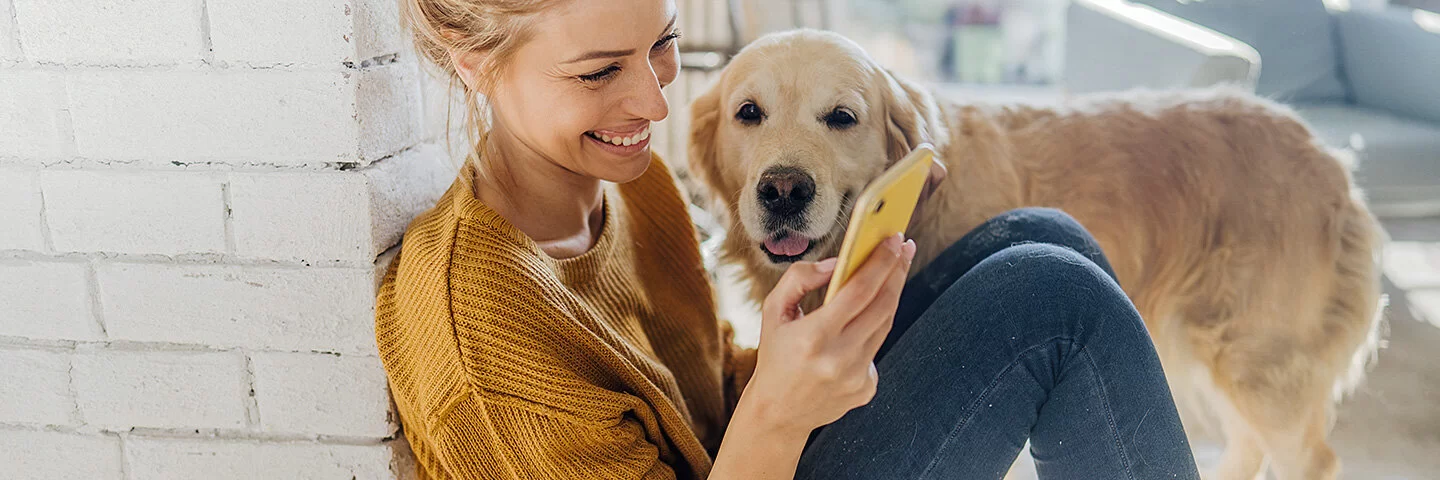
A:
{"points": [[883, 209]]}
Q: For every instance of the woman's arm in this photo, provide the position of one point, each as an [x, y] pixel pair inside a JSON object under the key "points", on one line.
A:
{"points": [[511, 439], [757, 447]]}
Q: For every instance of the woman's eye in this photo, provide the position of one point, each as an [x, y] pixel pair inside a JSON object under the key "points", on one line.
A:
{"points": [[750, 114], [601, 75], [839, 119], [666, 42]]}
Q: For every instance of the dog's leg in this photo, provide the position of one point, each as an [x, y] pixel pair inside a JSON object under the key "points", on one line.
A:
{"points": [[1286, 409], [1244, 457], [1302, 452]]}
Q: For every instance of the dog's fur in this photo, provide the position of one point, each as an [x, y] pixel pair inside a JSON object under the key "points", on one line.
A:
{"points": [[1240, 238]]}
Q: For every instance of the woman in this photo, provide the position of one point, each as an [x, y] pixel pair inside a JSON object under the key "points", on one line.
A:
{"points": [[539, 324]]}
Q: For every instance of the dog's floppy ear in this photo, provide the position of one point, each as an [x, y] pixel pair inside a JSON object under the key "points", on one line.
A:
{"points": [[912, 116], [704, 127]]}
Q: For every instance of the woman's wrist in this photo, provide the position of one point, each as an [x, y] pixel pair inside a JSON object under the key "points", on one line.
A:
{"points": [[758, 443]]}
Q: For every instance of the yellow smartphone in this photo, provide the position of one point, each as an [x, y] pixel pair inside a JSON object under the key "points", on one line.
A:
{"points": [[882, 210]]}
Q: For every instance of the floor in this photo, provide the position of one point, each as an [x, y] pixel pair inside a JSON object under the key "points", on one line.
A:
{"points": [[1389, 429]]}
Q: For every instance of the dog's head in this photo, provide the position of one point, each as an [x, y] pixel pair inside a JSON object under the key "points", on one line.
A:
{"points": [[797, 125]]}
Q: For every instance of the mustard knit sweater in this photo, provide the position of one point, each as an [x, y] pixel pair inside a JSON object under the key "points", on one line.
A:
{"points": [[506, 363]]}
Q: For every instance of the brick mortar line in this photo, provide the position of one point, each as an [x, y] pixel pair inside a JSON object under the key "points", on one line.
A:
{"points": [[124, 454], [228, 166], [252, 404], [205, 434], [92, 280], [207, 46], [15, 27], [46, 237], [226, 218], [133, 346], [183, 260], [213, 66]]}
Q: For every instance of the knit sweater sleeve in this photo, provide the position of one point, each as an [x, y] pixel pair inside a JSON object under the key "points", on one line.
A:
{"points": [[498, 438]]}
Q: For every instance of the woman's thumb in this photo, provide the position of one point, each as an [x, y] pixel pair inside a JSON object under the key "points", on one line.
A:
{"points": [[783, 303]]}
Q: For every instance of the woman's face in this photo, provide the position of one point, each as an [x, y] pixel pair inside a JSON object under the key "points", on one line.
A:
{"points": [[584, 90]]}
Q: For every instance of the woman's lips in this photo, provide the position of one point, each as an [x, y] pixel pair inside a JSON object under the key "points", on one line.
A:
{"points": [[623, 139]]}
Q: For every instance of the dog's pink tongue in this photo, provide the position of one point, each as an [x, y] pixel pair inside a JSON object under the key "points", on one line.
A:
{"points": [[789, 246]]}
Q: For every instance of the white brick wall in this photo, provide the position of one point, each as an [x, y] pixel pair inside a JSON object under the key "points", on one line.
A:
{"points": [[46, 300], [118, 389], [33, 124], [20, 194], [234, 306], [341, 395], [110, 32], [134, 211], [45, 398], [262, 116], [186, 459], [40, 455], [193, 197]]}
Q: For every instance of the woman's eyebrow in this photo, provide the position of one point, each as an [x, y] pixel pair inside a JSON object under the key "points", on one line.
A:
{"points": [[594, 54]]}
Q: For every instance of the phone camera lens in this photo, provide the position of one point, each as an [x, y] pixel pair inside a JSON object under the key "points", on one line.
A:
{"points": [[879, 205]]}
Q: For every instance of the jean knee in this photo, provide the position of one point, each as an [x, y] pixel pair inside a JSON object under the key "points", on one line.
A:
{"points": [[1052, 287], [1035, 225]]}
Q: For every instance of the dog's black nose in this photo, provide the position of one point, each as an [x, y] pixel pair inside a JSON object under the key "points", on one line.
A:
{"points": [[785, 191]]}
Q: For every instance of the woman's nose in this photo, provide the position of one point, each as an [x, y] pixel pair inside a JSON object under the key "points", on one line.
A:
{"points": [[646, 100]]}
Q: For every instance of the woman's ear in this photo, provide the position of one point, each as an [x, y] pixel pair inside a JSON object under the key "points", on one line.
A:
{"points": [[911, 116], [468, 65], [704, 127]]}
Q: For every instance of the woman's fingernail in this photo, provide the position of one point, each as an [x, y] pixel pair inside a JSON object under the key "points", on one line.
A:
{"points": [[826, 265], [909, 250], [895, 242]]}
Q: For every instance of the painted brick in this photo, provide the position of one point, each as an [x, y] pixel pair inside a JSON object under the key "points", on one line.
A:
{"points": [[275, 308], [316, 393], [35, 387], [134, 212], [403, 186], [33, 103], [281, 31], [122, 389], [377, 29], [256, 116], [317, 217], [46, 300], [175, 458], [388, 109], [20, 194], [110, 31], [34, 455], [9, 43]]}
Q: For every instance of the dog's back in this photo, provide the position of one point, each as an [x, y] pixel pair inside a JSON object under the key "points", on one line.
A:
{"points": [[1241, 239]]}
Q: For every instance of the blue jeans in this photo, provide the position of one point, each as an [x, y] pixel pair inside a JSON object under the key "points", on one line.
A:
{"points": [[1017, 331]]}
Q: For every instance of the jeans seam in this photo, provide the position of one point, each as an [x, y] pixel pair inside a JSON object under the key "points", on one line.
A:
{"points": [[970, 411], [1109, 414]]}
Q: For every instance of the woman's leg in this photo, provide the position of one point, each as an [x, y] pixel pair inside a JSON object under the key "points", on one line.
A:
{"points": [[1035, 342], [1015, 227]]}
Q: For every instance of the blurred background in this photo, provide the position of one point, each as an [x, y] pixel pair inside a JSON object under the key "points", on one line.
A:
{"points": [[197, 198]]}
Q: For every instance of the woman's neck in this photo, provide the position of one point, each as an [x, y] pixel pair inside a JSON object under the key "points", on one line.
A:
{"points": [[559, 209]]}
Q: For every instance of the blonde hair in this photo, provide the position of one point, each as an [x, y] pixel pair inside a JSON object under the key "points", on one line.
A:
{"points": [[494, 27]]}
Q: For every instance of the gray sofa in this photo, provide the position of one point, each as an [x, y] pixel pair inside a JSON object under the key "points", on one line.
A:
{"points": [[1367, 80]]}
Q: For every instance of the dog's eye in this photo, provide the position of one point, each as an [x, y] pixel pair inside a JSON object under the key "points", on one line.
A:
{"points": [[750, 114], [839, 119]]}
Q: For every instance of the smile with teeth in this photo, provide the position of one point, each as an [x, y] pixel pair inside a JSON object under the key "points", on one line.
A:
{"points": [[621, 141]]}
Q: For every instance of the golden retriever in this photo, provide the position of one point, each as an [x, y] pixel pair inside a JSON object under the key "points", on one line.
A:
{"points": [[1239, 237]]}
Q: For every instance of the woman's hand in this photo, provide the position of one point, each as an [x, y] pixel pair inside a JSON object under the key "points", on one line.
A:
{"points": [[813, 367]]}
